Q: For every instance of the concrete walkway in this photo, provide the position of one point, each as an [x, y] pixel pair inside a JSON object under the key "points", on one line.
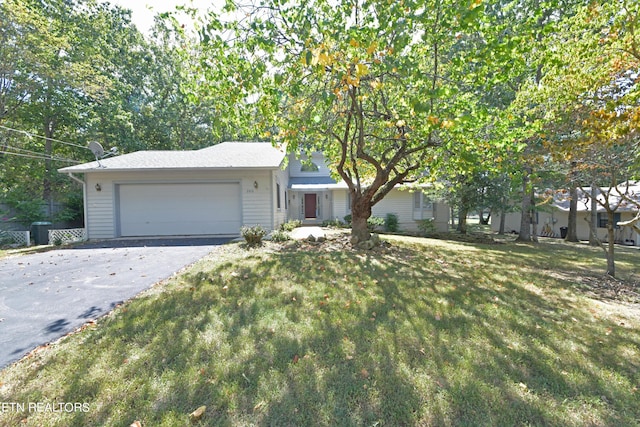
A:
{"points": [[302, 233]]}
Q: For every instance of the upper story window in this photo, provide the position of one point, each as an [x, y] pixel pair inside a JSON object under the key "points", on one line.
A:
{"points": [[309, 167]]}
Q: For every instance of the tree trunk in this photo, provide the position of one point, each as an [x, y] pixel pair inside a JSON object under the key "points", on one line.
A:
{"points": [[572, 225], [525, 220], [48, 164], [503, 217], [462, 220], [483, 220], [534, 220], [360, 213], [593, 222], [611, 263]]}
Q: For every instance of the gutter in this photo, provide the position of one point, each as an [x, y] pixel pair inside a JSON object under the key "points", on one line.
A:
{"points": [[84, 200]]}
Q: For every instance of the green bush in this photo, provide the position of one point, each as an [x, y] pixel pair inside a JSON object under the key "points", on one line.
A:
{"points": [[5, 238], [427, 227], [290, 225], [391, 222], [335, 223], [374, 222], [253, 235], [280, 236]]}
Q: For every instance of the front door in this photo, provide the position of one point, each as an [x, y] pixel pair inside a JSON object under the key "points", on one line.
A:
{"points": [[310, 206]]}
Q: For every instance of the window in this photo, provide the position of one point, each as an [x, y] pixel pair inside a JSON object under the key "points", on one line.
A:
{"points": [[309, 166], [278, 195], [421, 202], [603, 220]]}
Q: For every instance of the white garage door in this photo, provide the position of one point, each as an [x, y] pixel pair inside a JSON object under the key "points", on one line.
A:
{"points": [[179, 209]]}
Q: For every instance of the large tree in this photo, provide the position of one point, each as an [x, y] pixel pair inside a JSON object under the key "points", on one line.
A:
{"points": [[367, 83]]}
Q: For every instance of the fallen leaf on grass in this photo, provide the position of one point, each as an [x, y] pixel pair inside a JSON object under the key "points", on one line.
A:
{"points": [[197, 414], [136, 424]]}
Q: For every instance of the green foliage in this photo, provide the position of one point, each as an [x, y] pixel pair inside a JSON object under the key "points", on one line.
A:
{"points": [[334, 223], [375, 222], [290, 225], [391, 222], [26, 210], [253, 235], [280, 236], [73, 208], [5, 238], [347, 219], [427, 227]]}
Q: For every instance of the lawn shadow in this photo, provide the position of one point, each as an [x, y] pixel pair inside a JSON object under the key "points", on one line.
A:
{"points": [[408, 335]]}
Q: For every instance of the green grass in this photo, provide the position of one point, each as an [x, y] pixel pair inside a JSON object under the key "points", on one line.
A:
{"points": [[426, 332]]}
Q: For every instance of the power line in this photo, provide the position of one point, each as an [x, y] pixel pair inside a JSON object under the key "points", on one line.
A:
{"points": [[33, 135], [39, 157]]}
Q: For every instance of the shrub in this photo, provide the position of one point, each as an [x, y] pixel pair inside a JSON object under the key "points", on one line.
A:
{"points": [[427, 227], [290, 225], [253, 235], [6, 238], [391, 222], [280, 236], [374, 222], [336, 223]]}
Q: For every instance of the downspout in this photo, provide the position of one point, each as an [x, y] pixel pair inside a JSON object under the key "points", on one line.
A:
{"points": [[84, 200], [273, 205]]}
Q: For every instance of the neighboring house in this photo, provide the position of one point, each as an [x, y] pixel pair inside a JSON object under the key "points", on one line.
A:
{"points": [[216, 190], [552, 217]]}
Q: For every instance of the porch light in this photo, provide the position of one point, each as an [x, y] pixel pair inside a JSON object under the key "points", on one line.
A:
{"points": [[255, 184], [98, 187]]}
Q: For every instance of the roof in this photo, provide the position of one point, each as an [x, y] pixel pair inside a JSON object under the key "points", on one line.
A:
{"points": [[239, 155], [561, 199]]}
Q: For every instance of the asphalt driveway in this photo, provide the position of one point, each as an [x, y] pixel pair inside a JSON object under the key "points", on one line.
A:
{"points": [[44, 296]]}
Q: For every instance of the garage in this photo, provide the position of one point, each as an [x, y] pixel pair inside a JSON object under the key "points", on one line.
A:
{"points": [[178, 209]]}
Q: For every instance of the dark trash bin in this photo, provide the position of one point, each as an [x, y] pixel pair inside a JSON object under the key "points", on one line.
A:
{"points": [[563, 232], [40, 231]]}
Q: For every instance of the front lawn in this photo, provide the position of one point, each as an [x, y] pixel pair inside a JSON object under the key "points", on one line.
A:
{"points": [[424, 332]]}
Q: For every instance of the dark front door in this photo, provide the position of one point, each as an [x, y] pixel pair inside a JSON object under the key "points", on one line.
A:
{"points": [[309, 205]]}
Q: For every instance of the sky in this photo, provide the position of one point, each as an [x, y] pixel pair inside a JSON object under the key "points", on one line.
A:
{"points": [[143, 11]]}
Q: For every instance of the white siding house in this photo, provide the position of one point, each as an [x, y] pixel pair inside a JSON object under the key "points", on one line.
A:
{"points": [[213, 191], [315, 197], [553, 217], [216, 190]]}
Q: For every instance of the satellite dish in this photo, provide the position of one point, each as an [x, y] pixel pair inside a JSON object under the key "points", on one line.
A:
{"points": [[96, 149]]}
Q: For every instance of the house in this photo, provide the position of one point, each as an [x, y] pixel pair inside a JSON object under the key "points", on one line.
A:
{"points": [[555, 215], [216, 190]]}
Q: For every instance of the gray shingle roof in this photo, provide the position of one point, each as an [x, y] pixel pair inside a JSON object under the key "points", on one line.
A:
{"points": [[561, 199], [239, 155]]}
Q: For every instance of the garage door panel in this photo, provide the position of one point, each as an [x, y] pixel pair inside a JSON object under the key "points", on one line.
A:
{"points": [[179, 209]]}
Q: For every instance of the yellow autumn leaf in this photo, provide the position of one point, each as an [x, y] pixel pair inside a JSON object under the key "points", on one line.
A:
{"points": [[474, 4], [447, 124], [372, 48], [354, 43], [361, 70], [375, 84], [324, 59]]}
